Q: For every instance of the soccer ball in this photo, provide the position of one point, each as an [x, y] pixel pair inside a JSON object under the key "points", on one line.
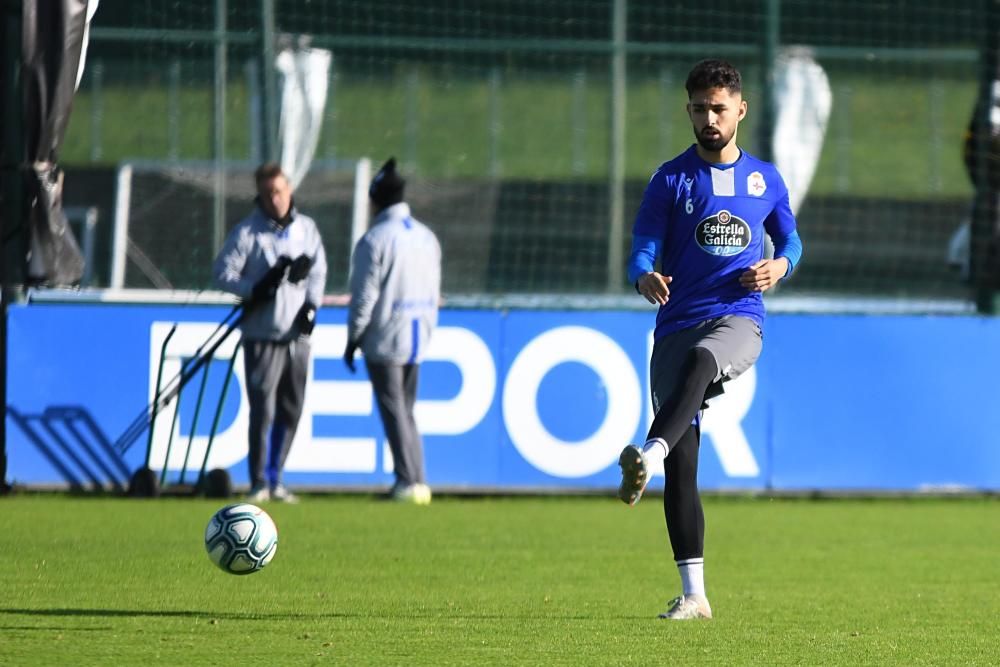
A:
{"points": [[241, 538]]}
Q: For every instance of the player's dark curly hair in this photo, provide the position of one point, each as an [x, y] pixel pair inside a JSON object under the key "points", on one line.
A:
{"points": [[713, 73]]}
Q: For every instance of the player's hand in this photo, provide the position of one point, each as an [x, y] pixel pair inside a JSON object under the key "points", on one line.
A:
{"points": [[764, 275], [306, 319], [653, 286], [267, 286], [299, 269]]}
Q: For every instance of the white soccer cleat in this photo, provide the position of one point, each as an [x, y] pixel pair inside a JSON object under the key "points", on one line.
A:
{"points": [[635, 475], [258, 494], [423, 494], [688, 607], [283, 495], [415, 494]]}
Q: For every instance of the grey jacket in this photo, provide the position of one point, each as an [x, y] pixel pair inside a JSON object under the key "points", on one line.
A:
{"points": [[254, 246], [395, 288]]}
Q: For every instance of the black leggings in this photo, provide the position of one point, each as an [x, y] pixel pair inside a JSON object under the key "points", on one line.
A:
{"points": [[679, 410], [673, 423], [681, 502]]}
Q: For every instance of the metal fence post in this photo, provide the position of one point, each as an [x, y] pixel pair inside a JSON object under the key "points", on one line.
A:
{"points": [[578, 116], [616, 176], [985, 232], [770, 39], [219, 128], [411, 124], [174, 110], [269, 83], [496, 121], [96, 110], [255, 118]]}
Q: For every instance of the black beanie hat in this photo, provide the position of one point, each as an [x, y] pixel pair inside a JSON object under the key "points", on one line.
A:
{"points": [[387, 186]]}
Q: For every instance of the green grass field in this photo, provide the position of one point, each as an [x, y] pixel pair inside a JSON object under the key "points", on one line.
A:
{"points": [[534, 581]]}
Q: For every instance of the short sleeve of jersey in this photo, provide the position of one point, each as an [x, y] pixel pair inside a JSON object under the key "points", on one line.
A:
{"points": [[653, 216]]}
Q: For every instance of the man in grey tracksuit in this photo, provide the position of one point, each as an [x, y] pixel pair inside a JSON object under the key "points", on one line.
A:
{"points": [[274, 260], [395, 289]]}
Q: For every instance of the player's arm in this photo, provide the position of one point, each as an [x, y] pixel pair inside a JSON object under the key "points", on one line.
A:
{"points": [[365, 284], [642, 270], [227, 270], [647, 233], [780, 226], [365, 289], [788, 247], [316, 280]]}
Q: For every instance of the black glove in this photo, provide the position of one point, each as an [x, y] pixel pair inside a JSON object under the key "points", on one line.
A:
{"points": [[349, 351], [267, 286], [300, 268], [306, 319]]}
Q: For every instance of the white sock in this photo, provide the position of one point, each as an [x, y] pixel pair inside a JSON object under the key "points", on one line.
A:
{"points": [[656, 447], [692, 572]]}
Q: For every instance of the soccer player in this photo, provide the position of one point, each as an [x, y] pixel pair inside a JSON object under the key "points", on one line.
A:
{"points": [[703, 218], [395, 290], [274, 260]]}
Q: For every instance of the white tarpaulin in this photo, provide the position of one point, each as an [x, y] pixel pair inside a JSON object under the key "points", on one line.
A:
{"points": [[304, 76], [803, 100], [91, 10]]}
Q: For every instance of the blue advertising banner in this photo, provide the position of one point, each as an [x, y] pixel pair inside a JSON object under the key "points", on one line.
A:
{"points": [[514, 400], [883, 402]]}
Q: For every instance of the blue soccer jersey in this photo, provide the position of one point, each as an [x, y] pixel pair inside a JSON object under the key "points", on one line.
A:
{"points": [[705, 224]]}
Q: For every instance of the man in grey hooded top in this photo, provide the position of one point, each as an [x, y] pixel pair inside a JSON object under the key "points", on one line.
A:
{"points": [[395, 289], [274, 260]]}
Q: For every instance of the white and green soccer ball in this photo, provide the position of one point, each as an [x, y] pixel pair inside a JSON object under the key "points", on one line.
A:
{"points": [[241, 538]]}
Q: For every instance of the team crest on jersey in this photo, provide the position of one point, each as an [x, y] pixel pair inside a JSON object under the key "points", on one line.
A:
{"points": [[723, 234], [755, 184]]}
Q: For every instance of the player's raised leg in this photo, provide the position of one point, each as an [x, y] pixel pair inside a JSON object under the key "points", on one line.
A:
{"points": [[672, 420]]}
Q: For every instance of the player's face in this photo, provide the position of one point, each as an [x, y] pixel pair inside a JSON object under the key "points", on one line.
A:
{"points": [[275, 196], [715, 115]]}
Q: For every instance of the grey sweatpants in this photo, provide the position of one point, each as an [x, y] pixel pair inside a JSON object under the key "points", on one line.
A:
{"points": [[395, 388], [276, 376]]}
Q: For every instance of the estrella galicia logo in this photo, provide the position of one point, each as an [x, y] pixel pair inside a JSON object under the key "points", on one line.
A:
{"points": [[723, 234]]}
